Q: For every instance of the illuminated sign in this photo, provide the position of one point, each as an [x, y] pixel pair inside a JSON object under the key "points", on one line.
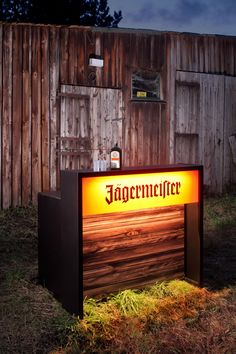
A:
{"points": [[108, 194]]}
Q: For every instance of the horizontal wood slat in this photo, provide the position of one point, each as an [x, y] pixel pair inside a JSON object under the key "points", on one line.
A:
{"points": [[120, 249]]}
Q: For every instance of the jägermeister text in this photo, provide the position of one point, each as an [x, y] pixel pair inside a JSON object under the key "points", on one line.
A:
{"points": [[121, 193]]}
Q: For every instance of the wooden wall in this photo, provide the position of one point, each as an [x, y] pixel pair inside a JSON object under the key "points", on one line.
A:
{"points": [[36, 60], [201, 96]]}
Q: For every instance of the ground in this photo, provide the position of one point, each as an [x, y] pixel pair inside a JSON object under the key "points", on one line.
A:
{"points": [[170, 317]]}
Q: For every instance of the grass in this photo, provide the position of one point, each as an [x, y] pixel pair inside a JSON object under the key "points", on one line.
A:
{"points": [[220, 212], [167, 317]]}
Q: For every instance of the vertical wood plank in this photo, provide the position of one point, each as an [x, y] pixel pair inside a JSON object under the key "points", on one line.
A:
{"points": [[54, 60], [108, 64], [156, 136], [64, 55], [1, 102], [16, 115], [173, 48], [95, 111], [133, 135], [73, 66], [126, 79], [45, 107], [26, 117], [229, 176], [106, 122], [7, 118], [89, 71], [81, 55], [212, 113], [98, 51], [36, 113]]}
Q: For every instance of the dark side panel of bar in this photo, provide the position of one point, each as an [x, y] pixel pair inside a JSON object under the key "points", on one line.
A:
{"points": [[49, 241]]}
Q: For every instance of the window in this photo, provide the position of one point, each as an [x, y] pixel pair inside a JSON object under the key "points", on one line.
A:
{"points": [[146, 85]]}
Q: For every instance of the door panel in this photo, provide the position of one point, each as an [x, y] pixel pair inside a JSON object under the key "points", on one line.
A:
{"points": [[199, 124], [229, 130], [186, 148], [90, 124]]}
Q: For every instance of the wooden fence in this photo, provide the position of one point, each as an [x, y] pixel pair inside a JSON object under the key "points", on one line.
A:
{"points": [[38, 63]]}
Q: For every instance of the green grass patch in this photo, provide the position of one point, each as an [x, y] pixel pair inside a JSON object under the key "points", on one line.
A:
{"points": [[220, 212], [132, 321]]}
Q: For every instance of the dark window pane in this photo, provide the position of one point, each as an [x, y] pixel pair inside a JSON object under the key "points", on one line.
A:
{"points": [[146, 85]]}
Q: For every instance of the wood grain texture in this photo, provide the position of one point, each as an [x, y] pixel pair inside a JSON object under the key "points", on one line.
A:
{"points": [[229, 174], [45, 143], [7, 119], [54, 70], [36, 113], [1, 102], [16, 116], [26, 117], [132, 249], [91, 114], [201, 110]]}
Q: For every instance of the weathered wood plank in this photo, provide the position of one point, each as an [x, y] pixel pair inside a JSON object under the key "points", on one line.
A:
{"points": [[212, 104], [45, 108], [1, 102], [26, 117], [75, 140], [156, 114], [7, 118], [134, 135], [54, 60], [229, 175], [187, 106], [108, 59], [72, 60], [132, 248], [64, 55], [200, 124], [81, 57], [36, 113], [90, 48], [16, 115]]}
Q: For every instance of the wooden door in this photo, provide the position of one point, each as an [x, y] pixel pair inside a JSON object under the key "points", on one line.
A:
{"points": [[199, 124], [187, 122], [74, 142], [229, 131], [90, 124]]}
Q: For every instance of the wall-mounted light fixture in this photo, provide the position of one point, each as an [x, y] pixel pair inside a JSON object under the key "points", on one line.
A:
{"points": [[96, 60]]}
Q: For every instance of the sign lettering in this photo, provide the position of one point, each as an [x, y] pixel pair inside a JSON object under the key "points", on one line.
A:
{"points": [[124, 193]]}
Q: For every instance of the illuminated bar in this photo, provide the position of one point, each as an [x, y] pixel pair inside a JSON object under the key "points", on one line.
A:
{"points": [[108, 231]]}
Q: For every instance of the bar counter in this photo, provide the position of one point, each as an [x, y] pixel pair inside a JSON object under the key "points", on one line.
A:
{"points": [[118, 229]]}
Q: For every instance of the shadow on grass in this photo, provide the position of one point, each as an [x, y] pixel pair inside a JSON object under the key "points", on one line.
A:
{"points": [[220, 258]]}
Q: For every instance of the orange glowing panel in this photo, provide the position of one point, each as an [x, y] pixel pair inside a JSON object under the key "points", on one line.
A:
{"points": [[108, 194]]}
